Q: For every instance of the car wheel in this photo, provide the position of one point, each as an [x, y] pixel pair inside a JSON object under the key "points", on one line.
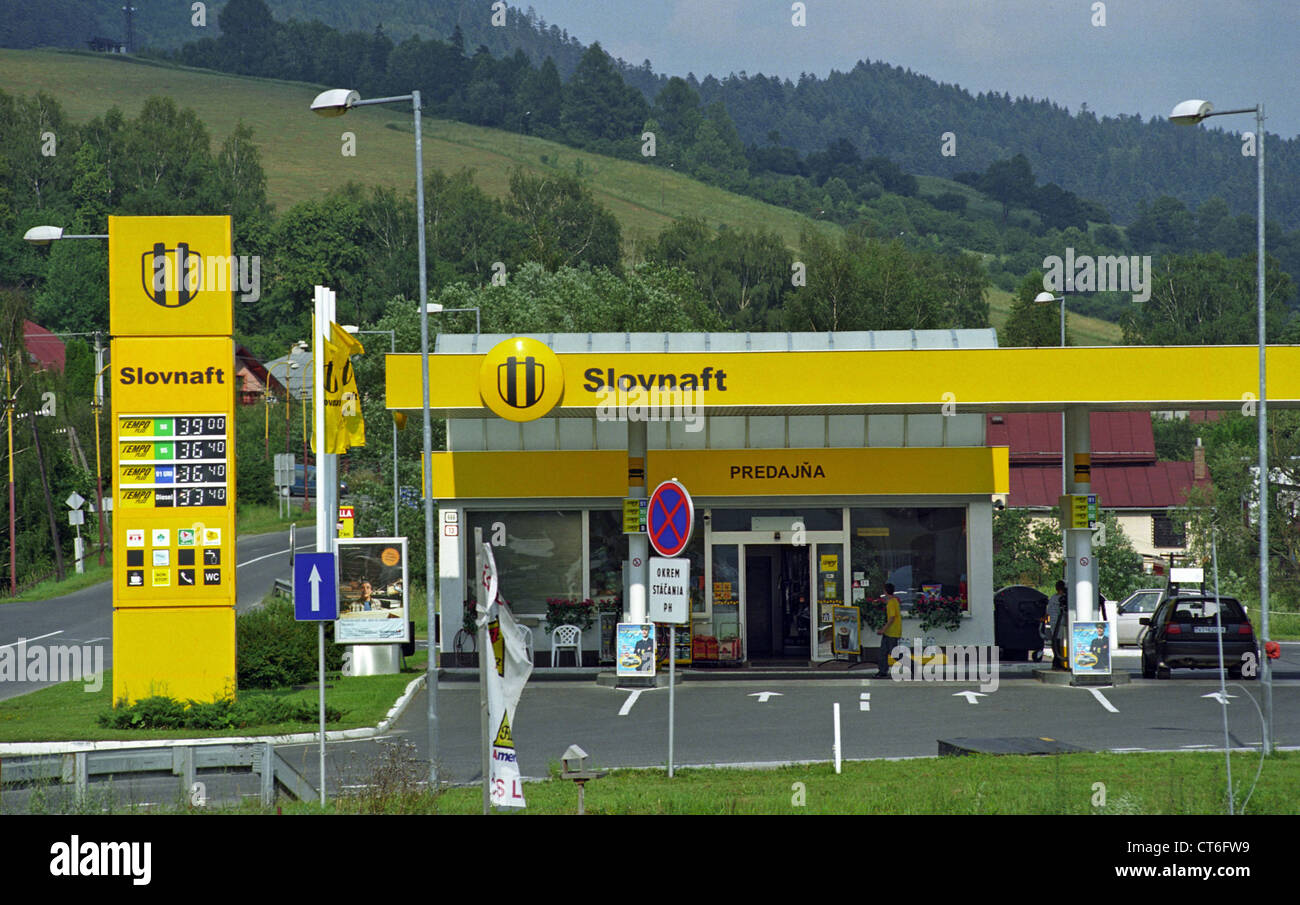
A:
{"points": [[1148, 668]]}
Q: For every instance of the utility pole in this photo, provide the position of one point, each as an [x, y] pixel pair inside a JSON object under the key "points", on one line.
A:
{"points": [[49, 502], [13, 535], [130, 26]]}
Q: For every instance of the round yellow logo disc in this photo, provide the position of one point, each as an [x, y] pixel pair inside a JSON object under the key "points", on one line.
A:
{"points": [[520, 379]]}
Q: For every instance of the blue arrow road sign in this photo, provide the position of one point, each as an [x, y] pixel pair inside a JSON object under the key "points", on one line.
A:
{"points": [[315, 588]]}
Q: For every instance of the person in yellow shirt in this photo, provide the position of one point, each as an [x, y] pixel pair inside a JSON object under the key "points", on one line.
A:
{"points": [[890, 633]]}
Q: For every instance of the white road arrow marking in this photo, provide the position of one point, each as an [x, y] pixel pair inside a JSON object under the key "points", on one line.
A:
{"points": [[764, 695], [1101, 699], [315, 580], [631, 699], [970, 696], [1220, 697]]}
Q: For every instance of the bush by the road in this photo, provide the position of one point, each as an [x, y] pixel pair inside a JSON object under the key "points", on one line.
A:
{"points": [[275, 651], [166, 713]]}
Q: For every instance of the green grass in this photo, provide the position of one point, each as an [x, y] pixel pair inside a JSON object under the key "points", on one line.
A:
{"points": [[1179, 783], [69, 712], [301, 152], [1283, 626], [251, 518], [52, 587]]}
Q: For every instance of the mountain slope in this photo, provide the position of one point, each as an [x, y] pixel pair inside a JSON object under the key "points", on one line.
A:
{"points": [[302, 153]]}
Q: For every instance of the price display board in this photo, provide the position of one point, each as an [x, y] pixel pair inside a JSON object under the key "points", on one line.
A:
{"points": [[174, 505], [182, 473]]}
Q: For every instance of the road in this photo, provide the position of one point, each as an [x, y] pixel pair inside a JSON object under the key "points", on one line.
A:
{"points": [[85, 617], [727, 722]]}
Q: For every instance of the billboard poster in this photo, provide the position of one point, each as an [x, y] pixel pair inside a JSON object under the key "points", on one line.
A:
{"points": [[372, 591], [1090, 648], [635, 648]]}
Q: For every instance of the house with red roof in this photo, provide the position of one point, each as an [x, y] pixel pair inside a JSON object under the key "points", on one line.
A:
{"points": [[1142, 491]]}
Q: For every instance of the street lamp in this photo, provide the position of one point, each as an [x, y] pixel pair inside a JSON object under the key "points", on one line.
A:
{"points": [[1190, 113], [44, 235], [436, 308], [336, 102], [1048, 297]]}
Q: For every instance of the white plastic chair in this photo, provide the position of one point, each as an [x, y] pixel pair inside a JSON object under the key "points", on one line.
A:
{"points": [[526, 633], [566, 637]]}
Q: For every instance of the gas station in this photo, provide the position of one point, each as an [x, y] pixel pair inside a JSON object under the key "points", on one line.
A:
{"points": [[822, 465]]}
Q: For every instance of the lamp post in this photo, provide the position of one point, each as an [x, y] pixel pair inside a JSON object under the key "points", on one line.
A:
{"points": [[44, 235], [392, 347], [1190, 113], [1048, 297], [336, 102]]}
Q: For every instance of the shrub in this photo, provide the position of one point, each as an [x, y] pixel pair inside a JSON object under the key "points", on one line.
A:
{"points": [[275, 651], [261, 710]]}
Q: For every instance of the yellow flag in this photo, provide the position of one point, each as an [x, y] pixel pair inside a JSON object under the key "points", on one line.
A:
{"points": [[344, 426]]}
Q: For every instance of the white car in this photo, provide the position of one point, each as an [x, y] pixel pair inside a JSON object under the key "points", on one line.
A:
{"points": [[1136, 606]]}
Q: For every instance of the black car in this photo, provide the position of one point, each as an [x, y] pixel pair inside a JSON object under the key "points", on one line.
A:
{"points": [[1183, 633]]}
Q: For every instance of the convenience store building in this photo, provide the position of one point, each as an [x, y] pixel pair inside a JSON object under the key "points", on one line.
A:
{"points": [[822, 464]]}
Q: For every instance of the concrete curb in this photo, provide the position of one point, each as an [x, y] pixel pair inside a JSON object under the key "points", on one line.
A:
{"points": [[22, 749]]}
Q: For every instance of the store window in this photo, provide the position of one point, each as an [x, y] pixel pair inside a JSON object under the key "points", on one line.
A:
{"points": [[717, 637], [538, 555], [829, 587], [921, 551], [607, 547]]}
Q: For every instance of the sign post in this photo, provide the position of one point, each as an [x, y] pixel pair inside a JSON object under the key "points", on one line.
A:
{"points": [[316, 599], [669, 519]]}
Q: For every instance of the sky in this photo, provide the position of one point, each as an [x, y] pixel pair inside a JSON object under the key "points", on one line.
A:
{"points": [[1149, 54]]}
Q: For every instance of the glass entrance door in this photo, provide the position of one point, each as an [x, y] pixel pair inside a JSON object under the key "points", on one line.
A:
{"points": [[778, 615]]}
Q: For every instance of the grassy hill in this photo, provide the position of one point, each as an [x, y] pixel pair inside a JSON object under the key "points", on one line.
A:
{"points": [[1083, 330], [302, 153]]}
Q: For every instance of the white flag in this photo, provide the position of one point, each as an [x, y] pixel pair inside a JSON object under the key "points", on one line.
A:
{"points": [[508, 671]]}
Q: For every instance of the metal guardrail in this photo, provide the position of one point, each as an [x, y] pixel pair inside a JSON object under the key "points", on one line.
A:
{"points": [[283, 588], [182, 761]]}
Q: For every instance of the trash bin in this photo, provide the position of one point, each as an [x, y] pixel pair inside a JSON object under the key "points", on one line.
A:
{"points": [[1018, 613]]}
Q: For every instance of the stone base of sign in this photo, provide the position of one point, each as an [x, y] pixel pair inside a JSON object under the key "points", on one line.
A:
{"points": [[1063, 677], [612, 680]]}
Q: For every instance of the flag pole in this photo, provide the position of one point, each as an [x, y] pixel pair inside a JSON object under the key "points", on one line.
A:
{"points": [[482, 666]]}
